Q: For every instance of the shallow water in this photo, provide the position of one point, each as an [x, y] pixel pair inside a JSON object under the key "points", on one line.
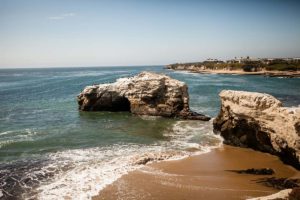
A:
{"points": [[48, 149]]}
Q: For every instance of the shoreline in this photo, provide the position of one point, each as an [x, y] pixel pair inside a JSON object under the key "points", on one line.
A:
{"points": [[205, 176], [287, 74]]}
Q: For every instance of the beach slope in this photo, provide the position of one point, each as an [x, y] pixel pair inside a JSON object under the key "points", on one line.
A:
{"points": [[206, 176]]}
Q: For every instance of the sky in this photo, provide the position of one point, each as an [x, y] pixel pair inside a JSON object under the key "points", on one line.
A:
{"points": [[65, 33]]}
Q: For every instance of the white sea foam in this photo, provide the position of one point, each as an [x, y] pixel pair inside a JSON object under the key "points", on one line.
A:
{"points": [[184, 72], [6, 142], [93, 170], [14, 136], [157, 172], [83, 173], [89, 73], [5, 133]]}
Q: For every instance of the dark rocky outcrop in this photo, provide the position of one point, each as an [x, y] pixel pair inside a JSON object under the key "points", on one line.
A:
{"points": [[279, 183], [258, 121], [144, 94], [262, 171]]}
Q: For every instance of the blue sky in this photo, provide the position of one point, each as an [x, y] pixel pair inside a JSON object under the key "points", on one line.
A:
{"points": [[61, 33]]}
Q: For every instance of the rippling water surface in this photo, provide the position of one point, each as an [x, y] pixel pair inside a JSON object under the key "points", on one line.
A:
{"points": [[49, 150]]}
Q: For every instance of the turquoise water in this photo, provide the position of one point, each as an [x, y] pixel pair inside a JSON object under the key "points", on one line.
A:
{"points": [[45, 140]]}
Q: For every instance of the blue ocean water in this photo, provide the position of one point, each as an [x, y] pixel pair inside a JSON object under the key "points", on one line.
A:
{"points": [[49, 149]]}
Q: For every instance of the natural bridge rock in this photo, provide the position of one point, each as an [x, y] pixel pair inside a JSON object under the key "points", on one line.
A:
{"points": [[144, 94]]}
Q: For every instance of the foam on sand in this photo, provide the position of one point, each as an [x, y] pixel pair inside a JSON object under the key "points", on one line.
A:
{"points": [[93, 169]]}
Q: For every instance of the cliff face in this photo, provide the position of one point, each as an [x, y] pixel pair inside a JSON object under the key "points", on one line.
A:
{"points": [[144, 94], [259, 121]]}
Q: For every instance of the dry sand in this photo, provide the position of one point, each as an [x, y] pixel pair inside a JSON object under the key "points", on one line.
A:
{"points": [[241, 72], [199, 177]]}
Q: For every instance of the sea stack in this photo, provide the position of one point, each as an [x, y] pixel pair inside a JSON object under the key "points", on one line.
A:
{"points": [[259, 121], [144, 94]]}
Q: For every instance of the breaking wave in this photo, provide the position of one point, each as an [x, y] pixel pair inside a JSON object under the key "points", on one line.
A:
{"points": [[82, 173]]}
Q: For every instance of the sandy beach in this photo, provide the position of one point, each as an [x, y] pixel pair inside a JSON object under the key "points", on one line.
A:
{"points": [[241, 72], [205, 176]]}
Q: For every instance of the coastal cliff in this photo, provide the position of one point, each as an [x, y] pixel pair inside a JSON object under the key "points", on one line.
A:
{"points": [[144, 94], [259, 121]]}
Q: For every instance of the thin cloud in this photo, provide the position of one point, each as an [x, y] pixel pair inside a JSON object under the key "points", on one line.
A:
{"points": [[62, 16], [68, 14]]}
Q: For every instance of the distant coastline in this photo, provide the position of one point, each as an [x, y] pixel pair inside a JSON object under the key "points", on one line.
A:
{"points": [[272, 67]]}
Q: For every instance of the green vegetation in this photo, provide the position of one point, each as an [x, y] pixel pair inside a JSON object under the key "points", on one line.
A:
{"points": [[247, 65], [284, 65]]}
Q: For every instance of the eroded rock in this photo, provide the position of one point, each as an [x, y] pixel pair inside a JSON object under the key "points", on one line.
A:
{"points": [[281, 195], [144, 94], [258, 121], [295, 194]]}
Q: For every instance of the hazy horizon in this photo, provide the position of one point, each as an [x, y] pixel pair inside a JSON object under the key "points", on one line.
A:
{"points": [[37, 34]]}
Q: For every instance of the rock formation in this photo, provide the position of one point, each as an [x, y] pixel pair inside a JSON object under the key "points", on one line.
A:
{"points": [[259, 121], [144, 94], [262, 171], [281, 195]]}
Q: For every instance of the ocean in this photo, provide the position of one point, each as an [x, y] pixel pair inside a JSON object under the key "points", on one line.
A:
{"points": [[50, 150]]}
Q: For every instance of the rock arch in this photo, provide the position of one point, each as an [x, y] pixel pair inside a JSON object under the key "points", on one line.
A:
{"points": [[144, 94]]}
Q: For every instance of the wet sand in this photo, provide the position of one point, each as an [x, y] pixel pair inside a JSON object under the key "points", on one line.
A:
{"points": [[203, 176]]}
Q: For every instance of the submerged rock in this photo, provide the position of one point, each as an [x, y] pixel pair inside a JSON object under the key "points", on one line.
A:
{"points": [[258, 121], [151, 157], [144, 94]]}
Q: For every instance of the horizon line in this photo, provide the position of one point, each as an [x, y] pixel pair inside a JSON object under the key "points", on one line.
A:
{"points": [[149, 65], [94, 66]]}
